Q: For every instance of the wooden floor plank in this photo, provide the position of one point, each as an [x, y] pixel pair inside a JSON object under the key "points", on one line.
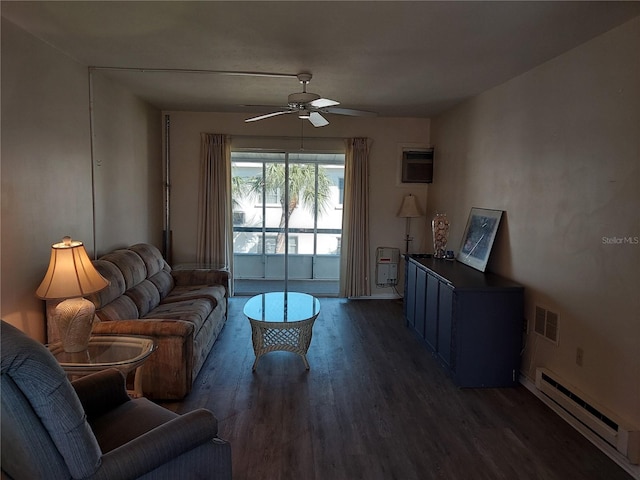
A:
{"points": [[376, 405]]}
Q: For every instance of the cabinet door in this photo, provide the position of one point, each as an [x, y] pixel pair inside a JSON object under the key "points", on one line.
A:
{"points": [[421, 289], [431, 313], [488, 338], [410, 293], [445, 323]]}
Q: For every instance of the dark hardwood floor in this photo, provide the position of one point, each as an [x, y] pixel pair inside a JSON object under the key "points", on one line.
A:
{"points": [[375, 405]]}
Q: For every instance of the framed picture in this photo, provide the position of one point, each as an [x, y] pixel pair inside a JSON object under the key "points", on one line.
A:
{"points": [[478, 237]]}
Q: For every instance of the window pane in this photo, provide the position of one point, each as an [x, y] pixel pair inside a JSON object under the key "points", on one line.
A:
{"points": [[302, 195], [330, 216], [329, 243], [316, 193], [245, 212]]}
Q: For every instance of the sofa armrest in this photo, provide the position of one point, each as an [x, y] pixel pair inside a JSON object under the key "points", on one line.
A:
{"points": [[201, 277], [148, 327], [159, 446], [168, 372], [101, 392]]}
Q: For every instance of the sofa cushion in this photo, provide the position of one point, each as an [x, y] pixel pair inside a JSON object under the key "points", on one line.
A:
{"points": [[130, 264], [195, 311], [163, 282], [145, 295], [151, 257], [116, 285], [215, 293], [122, 308]]}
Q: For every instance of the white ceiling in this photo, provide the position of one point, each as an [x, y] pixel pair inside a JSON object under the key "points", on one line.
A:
{"points": [[396, 58]]}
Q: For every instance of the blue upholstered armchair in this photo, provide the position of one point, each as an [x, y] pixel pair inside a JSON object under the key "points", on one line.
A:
{"points": [[91, 429]]}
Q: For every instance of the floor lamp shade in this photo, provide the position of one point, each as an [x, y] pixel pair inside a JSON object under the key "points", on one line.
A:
{"points": [[71, 276], [409, 209]]}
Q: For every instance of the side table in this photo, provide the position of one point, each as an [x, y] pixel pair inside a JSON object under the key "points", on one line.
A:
{"points": [[124, 353]]}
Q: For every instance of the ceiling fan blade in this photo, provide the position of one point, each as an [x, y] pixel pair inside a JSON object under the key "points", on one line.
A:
{"points": [[323, 102], [317, 119], [270, 107], [349, 111], [268, 115]]}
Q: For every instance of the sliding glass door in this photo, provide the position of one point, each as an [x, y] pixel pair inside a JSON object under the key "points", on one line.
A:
{"points": [[287, 221]]}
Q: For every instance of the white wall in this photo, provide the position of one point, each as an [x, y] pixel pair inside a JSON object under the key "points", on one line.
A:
{"points": [[558, 149], [387, 135], [128, 168], [46, 169]]}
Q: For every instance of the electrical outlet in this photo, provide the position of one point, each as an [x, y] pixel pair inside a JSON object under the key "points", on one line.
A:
{"points": [[579, 356]]}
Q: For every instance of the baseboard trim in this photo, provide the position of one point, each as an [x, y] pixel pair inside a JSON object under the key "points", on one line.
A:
{"points": [[604, 447], [379, 296]]}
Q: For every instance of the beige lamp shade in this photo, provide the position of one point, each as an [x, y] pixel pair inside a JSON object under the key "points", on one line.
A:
{"points": [[71, 276], [70, 273], [409, 208]]}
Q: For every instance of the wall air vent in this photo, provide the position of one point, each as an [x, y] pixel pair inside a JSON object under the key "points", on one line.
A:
{"points": [[546, 324]]}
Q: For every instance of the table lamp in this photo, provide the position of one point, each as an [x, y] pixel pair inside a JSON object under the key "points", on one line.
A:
{"points": [[409, 209], [71, 276]]}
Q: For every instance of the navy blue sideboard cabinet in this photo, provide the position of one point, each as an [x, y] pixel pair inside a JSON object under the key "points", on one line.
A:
{"points": [[472, 322]]}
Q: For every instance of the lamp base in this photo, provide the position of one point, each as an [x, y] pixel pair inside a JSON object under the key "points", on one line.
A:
{"points": [[407, 240], [407, 237], [74, 318]]}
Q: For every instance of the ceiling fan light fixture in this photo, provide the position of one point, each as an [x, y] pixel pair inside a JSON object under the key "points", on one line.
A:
{"points": [[304, 114], [296, 99]]}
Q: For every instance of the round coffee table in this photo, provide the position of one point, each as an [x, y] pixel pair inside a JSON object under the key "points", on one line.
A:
{"points": [[107, 351], [282, 321]]}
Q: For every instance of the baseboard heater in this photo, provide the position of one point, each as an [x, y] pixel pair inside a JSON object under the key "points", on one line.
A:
{"points": [[623, 437]]}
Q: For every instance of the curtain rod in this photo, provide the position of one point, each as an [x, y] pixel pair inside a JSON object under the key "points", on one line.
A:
{"points": [[198, 71], [285, 137]]}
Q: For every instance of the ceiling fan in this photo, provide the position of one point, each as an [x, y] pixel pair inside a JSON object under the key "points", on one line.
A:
{"points": [[309, 106]]}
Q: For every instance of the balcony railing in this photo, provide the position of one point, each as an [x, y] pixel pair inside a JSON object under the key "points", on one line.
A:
{"points": [[270, 266]]}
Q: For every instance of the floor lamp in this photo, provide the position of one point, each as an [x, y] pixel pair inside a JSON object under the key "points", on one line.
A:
{"points": [[409, 209]]}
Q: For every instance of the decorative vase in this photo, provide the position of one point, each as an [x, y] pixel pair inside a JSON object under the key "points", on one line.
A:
{"points": [[440, 227]]}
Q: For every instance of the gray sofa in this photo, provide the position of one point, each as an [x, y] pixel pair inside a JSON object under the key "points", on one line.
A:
{"points": [[91, 429], [183, 310]]}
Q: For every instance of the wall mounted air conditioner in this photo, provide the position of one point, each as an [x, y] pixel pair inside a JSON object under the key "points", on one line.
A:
{"points": [[417, 165]]}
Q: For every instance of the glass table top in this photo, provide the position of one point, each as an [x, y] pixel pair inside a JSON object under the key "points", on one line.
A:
{"points": [[106, 350], [282, 307]]}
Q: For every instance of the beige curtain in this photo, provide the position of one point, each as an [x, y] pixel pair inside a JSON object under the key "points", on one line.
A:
{"points": [[354, 258], [214, 202]]}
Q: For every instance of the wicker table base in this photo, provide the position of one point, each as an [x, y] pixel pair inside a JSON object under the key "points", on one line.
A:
{"points": [[284, 336], [282, 322]]}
